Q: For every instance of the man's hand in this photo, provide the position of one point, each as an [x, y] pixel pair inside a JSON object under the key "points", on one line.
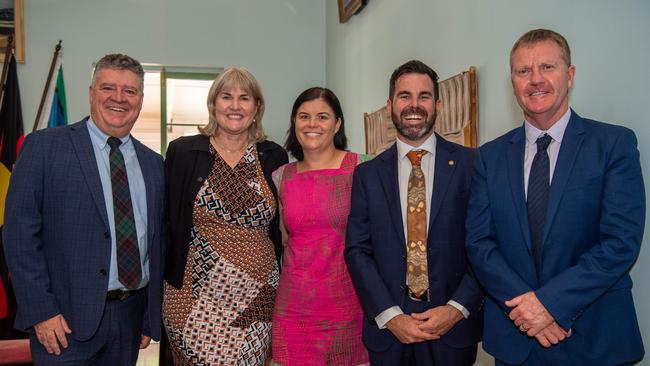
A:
{"points": [[406, 329], [529, 314], [438, 320], [551, 335], [51, 332], [144, 341]]}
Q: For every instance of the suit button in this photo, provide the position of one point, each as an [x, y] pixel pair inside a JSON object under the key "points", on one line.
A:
{"points": [[102, 272], [107, 235]]}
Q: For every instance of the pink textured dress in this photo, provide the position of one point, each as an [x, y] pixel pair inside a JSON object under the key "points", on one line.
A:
{"points": [[317, 316]]}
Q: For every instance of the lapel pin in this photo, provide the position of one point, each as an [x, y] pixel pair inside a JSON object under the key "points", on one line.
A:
{"points": [[451, 162]]}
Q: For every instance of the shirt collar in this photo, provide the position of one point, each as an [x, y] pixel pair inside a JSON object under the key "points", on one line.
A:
{"points": [[100, 138], [429, 145], [556, 131]]}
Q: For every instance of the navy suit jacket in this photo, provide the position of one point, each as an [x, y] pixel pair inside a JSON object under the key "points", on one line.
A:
{"points": [[592, 234], [57, 237], [375, 249]]}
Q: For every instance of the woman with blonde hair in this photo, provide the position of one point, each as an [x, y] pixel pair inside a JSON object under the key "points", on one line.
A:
{"points": [[224, 238]]}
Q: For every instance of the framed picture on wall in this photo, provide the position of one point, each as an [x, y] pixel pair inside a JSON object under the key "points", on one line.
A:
{"points": [[11, 25], [348, 8]]}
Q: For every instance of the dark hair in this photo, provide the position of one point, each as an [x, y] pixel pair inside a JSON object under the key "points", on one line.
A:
{"points": [[340, 140], [119, 61], [540, 35], [417, 67]]}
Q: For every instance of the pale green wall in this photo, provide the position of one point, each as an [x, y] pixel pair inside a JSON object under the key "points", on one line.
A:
{"points": [[293, 44], [610, 48], [281, 42]]}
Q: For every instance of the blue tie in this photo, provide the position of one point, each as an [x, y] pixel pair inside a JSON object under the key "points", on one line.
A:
{"points": [[538, 187]]}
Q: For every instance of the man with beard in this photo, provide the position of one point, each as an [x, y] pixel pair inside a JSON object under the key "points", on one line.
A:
{"points": [[405, 236]]}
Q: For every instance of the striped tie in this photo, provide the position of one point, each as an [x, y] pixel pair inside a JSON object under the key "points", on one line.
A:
{"points": [[537, 200], [128, 254]]}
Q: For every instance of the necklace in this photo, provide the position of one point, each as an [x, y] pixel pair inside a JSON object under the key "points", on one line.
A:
{"points": [[237, 150]]}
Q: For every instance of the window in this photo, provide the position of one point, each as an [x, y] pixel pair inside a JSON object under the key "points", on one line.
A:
{"points": [[174, 104]]}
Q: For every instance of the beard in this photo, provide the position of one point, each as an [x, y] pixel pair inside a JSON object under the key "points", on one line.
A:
{"points": [[413, 133]]}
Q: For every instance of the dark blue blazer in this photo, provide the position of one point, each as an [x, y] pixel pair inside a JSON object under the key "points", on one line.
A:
{"points": [[592, 234], [56, 233], [375, 249]]}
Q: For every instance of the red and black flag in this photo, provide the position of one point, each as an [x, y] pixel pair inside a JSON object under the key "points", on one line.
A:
{"points": [[11, 137]]}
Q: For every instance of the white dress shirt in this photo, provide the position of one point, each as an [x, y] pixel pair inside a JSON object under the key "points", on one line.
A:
{"points": [[138, 199], [403, 172], [532, 134]]}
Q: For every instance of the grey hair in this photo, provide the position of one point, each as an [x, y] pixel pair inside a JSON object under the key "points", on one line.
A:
{"points": [[118, 61]]}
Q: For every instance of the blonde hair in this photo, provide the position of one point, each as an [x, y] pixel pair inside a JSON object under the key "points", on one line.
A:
{"points": [[242, 78], [540, 35]]}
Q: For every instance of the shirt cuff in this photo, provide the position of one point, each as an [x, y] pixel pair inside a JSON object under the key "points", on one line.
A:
{"points": [[459, 307], [387, 315]]}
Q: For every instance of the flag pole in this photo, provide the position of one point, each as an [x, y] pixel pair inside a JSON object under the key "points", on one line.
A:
{"points": [[5, 67], [47, 85]]}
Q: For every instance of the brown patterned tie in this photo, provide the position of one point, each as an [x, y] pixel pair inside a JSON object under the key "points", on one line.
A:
{"points": [[416, 224]]}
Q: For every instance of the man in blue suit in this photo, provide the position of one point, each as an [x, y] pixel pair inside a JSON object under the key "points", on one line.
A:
{"points": [[555, 222], [415, 313], [84, 237]]}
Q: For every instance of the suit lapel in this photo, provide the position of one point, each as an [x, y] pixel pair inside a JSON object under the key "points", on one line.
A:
{"points": [[443, 172], [571, 143], [515, 164], [86, 155], [388, 178]]}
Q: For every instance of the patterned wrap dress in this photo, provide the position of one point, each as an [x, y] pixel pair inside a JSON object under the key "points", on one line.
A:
{"points": [[317, 317], [222, 314]]}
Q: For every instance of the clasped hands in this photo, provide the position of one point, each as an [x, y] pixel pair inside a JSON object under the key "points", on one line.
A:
{"points": [[532, 318], [426, 326]]}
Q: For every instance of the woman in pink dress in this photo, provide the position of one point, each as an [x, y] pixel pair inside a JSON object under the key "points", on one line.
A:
{"points": [[317, 315]]}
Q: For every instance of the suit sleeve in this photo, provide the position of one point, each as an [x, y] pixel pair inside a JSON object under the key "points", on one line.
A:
{"points": [[371, 289], [468, 294], [151, 325], [622, 219], [146, 324], [22, 235], [499, 280], [278, 159]]}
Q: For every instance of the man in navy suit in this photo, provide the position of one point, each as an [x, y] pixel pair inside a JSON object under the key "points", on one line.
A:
{"points": [[61, 239], [555, 222], [402, 325]]}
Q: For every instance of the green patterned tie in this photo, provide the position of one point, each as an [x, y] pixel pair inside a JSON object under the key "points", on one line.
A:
{"points": [[128, 254]]}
